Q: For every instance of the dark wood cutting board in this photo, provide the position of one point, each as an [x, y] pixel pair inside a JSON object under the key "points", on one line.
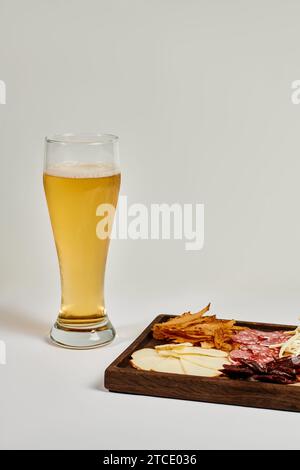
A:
{"points": [[120, 376]]}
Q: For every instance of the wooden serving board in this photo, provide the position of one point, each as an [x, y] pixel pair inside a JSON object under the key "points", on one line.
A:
{"points": [[120, 376]]}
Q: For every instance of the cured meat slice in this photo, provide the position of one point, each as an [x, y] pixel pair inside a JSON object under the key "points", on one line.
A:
{"points": [[266, 338], [255, 345], [260, 354], [275, 337], [258, 349], [238, 354], [263, 358], [246, 337]]}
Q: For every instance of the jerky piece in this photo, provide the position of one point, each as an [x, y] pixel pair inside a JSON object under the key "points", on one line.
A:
{"points": [[296, 361], [255, 366], [273, 379], [282, 362], [281, 368], [237, 372], [288, 375], [292, 363]]}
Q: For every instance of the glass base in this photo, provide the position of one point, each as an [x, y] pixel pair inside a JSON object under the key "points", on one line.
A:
{"points": [[83, 338]]}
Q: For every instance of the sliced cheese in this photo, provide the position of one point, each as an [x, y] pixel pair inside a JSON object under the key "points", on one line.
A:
{"points": [[169, 353], [149, 359], [172, 346], [193, 369], [145, 363], [168, 364], [203, 351], [179, 361], [144, 353], [215, 363]]}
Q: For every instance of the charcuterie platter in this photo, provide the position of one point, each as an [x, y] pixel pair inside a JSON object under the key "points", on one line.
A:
{"points": [[197, 356]]}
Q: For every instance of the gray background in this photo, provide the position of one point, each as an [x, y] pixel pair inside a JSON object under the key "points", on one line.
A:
{"points": [[200, 94]]}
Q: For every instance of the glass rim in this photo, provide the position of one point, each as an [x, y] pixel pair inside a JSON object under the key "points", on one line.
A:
{"points": [[86, 138]]}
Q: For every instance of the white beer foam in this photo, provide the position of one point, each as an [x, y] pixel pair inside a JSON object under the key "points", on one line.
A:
{"points": [[82, 170]]}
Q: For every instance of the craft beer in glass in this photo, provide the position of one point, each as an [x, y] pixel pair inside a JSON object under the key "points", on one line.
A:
{"points": [[82, 177]]}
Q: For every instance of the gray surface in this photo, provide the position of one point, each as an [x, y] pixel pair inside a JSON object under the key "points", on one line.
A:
{"points": [[199, 93]]}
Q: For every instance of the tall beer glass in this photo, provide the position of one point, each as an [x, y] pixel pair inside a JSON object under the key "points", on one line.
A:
{"points": [[81, 175]]}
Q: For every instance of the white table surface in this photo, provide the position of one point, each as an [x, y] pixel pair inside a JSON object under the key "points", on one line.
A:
{"points": [[54, 398]]}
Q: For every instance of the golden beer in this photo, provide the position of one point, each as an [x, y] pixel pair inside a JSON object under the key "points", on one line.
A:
{"points": [[73, 193]]}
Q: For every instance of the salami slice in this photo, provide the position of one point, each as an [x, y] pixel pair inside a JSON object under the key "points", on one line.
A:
{"points": [[254, 352], [255, 345], [265, 338], [263, 358], [238, 354], [246, 337], [275, 338]]}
